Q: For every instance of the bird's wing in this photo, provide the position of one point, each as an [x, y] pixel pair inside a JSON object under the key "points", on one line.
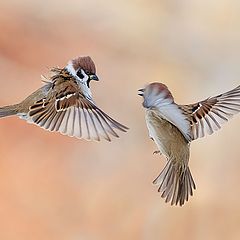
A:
{"points": [[207, 116], [173, 114], [68, 111]]}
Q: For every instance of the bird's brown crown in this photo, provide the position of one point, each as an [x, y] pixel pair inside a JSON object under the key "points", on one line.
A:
{"points": [[85, 63], [158, 88]]}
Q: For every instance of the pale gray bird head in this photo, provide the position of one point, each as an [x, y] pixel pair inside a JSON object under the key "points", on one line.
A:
{"points": [[154, 93]]}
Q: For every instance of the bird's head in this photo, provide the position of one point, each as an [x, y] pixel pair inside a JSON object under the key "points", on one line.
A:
{"points": [[155, 94], [83, 69]]}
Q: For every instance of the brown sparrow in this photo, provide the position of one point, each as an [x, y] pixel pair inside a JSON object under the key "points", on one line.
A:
{"points": [[173, 127], [64, 104]]}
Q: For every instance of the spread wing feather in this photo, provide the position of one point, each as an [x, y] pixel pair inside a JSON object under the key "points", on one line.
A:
{"points": [[208, 116], [68, 111]]}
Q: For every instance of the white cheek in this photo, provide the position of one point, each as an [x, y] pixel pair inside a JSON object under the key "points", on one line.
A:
{"points": [[85, 76], [71, 70]]}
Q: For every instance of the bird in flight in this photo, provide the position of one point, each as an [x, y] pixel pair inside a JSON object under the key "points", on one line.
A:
{"points": [[65, 104], [172, 127]]}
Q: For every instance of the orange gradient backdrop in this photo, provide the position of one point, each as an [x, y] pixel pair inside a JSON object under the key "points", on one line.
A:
{"points": [[53, 187]]}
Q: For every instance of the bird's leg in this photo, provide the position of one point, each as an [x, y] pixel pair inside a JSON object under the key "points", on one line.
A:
{"points": [[157, 151]]}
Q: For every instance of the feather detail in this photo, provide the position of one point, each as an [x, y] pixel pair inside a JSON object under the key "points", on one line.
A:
{"points": [[75, 116], [208, 116], [175, 183], [158, 97]]}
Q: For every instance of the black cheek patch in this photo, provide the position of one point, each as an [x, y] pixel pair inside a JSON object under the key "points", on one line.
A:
{"points": [[88, 83], [79, 74]]}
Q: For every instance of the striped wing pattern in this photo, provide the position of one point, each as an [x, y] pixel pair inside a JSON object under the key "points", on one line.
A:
{"points": [[207, 116], [68, 111], [81, 120]]}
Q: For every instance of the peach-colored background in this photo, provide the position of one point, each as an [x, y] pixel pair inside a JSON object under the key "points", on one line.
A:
{"points": [[53, 187]]}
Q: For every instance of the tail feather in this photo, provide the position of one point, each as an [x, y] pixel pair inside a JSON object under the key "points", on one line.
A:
{"points": [[8, 111], [175, 183]]}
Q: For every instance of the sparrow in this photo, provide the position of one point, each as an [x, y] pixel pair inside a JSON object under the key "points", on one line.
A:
{"points": [[173, 127], [64, 104]]}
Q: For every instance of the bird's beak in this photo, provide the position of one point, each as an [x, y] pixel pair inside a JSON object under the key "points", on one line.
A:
{"points": [[140, 92], [93, 77]]}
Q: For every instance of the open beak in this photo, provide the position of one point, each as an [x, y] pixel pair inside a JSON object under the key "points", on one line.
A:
{"points": [[93, 77], [140, 92]]}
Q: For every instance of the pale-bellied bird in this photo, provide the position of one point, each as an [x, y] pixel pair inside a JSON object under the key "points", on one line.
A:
{"points": [[173, 127]]}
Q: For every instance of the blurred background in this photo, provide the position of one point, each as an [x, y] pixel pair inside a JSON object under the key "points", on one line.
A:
{"points": [[56, 187]]}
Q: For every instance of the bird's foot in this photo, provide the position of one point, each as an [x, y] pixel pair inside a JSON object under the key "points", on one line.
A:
{"points": [[157, 152]]}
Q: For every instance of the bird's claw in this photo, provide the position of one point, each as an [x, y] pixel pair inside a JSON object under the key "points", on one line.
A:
{"points": [[156, 152]]}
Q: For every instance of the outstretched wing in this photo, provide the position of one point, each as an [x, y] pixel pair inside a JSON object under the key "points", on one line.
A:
{"points": [[207, 116], [68, 111]]}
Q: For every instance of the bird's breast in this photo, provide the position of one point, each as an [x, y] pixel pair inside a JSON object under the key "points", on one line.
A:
{"points": [[167, 137]]}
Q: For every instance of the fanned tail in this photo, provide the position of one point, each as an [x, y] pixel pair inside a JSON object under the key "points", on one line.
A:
{"points": [[8, 111], [175, 183]]}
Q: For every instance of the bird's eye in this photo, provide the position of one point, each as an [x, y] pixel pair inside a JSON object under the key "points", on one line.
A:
{"points": [[79, 74]]}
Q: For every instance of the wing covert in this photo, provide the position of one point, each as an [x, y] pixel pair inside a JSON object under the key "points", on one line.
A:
{"points": [[68, 111], [208, 116]]}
